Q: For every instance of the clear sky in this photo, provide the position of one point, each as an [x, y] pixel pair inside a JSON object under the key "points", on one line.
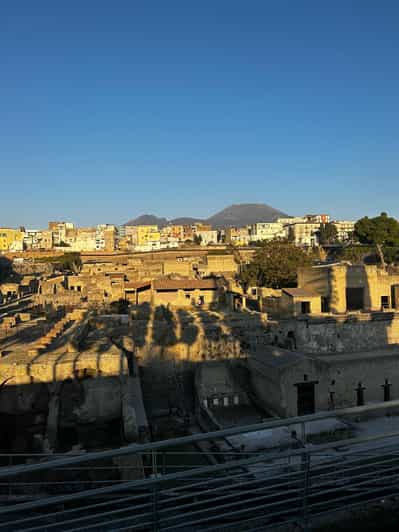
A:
{"points": [[110, 109]]}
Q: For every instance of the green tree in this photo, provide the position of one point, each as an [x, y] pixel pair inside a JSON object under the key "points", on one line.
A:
{"points": [[356, 254], [121, 306], [5, 268], [274, 265], [197, 239], [381, 231], [328, 234]]}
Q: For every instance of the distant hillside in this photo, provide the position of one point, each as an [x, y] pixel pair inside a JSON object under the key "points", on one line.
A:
{"points": [[186, 221], [148, 219], [235, 215], [244, 214]]}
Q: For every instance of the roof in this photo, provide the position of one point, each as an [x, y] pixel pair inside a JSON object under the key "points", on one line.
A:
{"points": [[299, 292], [116, 275], [276, 357], [135, 285], [185, 284]]}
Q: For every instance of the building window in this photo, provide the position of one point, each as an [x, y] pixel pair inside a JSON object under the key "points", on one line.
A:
{"points": [[385, 303], [305, 307]]}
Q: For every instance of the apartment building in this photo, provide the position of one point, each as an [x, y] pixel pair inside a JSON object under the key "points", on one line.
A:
{"points": [[144, 237], [303, 234], [266, 231], [36, 239], [11, 239], [207, 237], [345, 230], [59, 230], [237, 236]]}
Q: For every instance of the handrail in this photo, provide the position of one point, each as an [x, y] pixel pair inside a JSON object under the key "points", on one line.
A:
{"points": [[181, 475], [164, 444]]}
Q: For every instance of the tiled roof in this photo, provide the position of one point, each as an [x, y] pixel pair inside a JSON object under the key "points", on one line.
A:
{"points": [[185, 284], [137, 284]]}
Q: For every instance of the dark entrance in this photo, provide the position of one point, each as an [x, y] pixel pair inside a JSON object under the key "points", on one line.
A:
{"points": [[395, 296], [305, 307], [325, 304], [306, 397], [354, 298]]}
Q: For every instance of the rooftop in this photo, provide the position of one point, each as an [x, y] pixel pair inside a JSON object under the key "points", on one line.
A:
{"points": [[185, 284], [299, 292]]}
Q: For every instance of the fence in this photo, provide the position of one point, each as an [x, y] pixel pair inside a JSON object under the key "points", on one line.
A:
{"points": [[242, 491]]}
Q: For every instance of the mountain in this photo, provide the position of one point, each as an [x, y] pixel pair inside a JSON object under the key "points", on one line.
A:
{"points": [[148, 219], [245, 214], [186, 221], [235, 215]]}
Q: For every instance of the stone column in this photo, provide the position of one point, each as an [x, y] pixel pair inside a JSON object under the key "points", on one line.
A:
{"points": [[337, 282]]}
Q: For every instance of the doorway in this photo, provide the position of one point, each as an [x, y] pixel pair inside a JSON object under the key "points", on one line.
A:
{"points": [[395, 296], [306, 398], [354, 298]]}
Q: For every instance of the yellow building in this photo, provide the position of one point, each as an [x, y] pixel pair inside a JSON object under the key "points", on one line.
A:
{"points": [[11, 239], [146, 234], [238, 236]]}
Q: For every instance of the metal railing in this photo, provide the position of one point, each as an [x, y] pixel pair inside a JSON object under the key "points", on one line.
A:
{"points": [[244, 491]]}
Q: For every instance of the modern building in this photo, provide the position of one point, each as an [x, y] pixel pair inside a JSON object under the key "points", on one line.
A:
{"points": [[345, 230], [266, 231], [144, 237], [237, 236], [303, 233], [59, 230], [11, 239]]}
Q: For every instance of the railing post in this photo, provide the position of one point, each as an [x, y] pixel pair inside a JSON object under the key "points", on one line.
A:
{"points": [[9, 480], [306, 484], [155, 517], [154, 462], [303, 433]]}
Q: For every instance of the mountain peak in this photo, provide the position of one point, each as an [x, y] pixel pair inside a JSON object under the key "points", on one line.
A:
{"points": [[238, 214], [148, 219], [241, 214]]}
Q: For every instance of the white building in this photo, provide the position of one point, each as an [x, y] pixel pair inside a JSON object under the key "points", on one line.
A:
{"points": [[345, 229], [303, 234], [208, 237], [266, 231]]}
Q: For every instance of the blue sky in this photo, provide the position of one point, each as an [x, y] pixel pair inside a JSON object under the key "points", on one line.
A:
{"points": [[111, 109]]}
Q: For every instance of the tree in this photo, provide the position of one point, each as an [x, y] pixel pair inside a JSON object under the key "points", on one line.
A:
{"points": [[5, 268], [70, 261], [356, 254], [197, 239], [381, 231], [121, 306], [328, 234], [274, 265]]}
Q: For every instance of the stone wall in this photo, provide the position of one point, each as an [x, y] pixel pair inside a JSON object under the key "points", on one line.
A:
{"points": [[351, 333]]}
